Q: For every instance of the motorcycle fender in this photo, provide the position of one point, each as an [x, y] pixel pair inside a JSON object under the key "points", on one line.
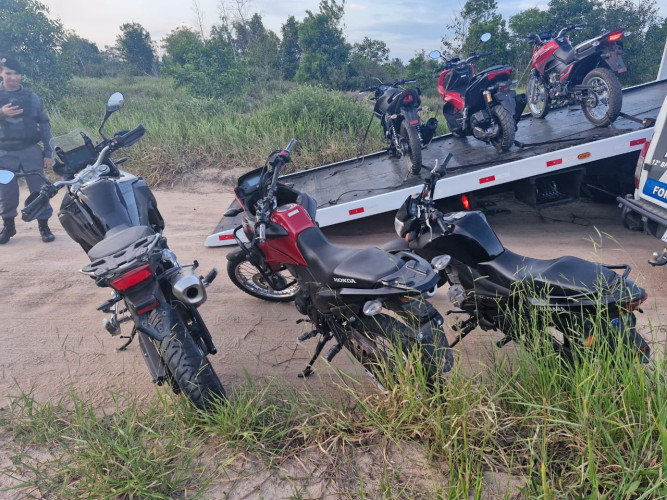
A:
{"points": [[410, 115], [141, 321], [507, 100], [151, 357], [141, 297], [614, 60], [236, 254], [435, 345]]}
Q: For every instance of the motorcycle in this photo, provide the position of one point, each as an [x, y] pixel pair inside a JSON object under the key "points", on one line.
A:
{"points": [[497, 289], [397, 110], [584, 74], [344, 292], [114, 217]]}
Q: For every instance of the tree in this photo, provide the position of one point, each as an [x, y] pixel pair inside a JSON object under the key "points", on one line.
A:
{"points": [[83, 56], [181, 46], [325, 52], [531, 20], [290, 52], [136, 48], [374, 50], [27, 32]]}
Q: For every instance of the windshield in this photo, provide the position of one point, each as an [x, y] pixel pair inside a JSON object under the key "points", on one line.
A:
{"points": [[71, 140]]}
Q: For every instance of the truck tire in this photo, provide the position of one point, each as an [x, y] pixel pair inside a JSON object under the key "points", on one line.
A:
{"points": [[609, 97], [414, 155], [538, 97], [504, 140], [188, 367]]}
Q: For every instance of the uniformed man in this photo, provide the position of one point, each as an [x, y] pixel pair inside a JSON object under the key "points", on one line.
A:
{"points": [[23, 125]]}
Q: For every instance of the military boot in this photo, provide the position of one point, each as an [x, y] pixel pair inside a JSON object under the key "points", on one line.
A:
{"points": [[8, 229], [44, 231]]}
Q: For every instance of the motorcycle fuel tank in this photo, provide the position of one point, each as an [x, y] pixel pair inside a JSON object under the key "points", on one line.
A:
{"points": [[282, 247]]}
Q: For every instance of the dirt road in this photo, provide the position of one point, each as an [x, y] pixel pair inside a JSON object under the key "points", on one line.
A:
{"points": [[53, 339]]}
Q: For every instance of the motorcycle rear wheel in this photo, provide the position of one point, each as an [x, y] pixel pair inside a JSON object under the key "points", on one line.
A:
{"points": [[538, 97], [414, 155], [376, 341], [247, 278], [505, 121], [609, 97], [188, 367]]}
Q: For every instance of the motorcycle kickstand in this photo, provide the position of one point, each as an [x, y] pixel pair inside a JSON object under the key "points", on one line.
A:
{"points": [[129, 338], [308, 371]]}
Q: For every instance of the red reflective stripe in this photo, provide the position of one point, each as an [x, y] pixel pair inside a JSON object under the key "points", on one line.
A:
{"points": [[484, 180], [148, 307], [414, 122], [356, 211], [637, 142], [554, 162], [224, 237]]}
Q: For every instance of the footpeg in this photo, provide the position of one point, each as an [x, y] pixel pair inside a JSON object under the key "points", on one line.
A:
{"points": [[307, 335], [208, 279], [111, 325], [332, 352], [504, 341]]}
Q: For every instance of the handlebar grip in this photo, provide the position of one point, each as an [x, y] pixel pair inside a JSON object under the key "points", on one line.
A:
{"points": [[127, 139], [33, 208], [291, 145]]}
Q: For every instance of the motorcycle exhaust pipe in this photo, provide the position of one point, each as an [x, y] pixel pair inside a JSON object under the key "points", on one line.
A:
{"points": [[188, 288], [428, 130]]}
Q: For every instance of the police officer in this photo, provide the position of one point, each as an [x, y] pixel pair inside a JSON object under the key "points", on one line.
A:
{"points": [[23, 124]]}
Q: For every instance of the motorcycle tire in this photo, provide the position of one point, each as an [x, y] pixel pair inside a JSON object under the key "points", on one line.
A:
{"points": [[538, 97], [414, 156], [187, 365], [375, 341], [457, 133], [247, 278], [505, 121], [609, 97]]}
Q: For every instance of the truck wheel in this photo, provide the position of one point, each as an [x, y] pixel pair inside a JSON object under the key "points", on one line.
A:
{"points": [[505, 138], [609, 97], [414, 155], [188, 367], [246, 277], [538, 97]]}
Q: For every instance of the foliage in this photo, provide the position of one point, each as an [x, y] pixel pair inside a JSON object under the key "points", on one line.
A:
{"points": [[27, 32], [290, 52], [136, 48], [82, 56], [324, 49]]}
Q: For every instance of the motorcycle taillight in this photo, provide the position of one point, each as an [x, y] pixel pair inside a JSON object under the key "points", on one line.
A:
{"points": [[132, 278], [615, 36], [634, 305], [407, 99]]}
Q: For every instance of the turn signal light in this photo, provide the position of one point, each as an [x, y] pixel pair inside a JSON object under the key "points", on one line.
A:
{"points": [[465, 201], [616, 35], [132, 278]]}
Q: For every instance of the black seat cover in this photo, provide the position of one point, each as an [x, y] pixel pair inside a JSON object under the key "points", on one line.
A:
{"points": [[118, 238], [565, 276], [327, 262]]}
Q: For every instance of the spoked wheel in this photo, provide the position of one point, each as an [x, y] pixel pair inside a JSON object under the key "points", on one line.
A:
{"points": [[188, 367], [413, 155], [538, 97], [505, 121], [604, 104], [246, 276]]}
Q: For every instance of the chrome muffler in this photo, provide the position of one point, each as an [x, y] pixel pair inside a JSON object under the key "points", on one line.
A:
{"points": [[188, 288]]}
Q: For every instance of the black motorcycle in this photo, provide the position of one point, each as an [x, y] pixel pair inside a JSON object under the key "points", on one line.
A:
{"points": [[346, 293], [397, 108], [480, 104], [114, 217], [497, 289]]}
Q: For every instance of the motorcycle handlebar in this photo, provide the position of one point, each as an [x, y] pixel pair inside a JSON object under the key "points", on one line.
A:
{"points": [[128, 138], [32, 209]]}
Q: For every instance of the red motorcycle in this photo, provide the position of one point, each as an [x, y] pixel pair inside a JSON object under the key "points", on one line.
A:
{"points": [[584, 74], [343, 291], [479, 104]]}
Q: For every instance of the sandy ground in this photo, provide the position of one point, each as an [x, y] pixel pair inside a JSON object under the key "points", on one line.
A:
{"points": [[53, 339]]}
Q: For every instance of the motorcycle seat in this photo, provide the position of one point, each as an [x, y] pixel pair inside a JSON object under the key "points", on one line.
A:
{"points": [[118, 238], [339, 267], [562, 277]]}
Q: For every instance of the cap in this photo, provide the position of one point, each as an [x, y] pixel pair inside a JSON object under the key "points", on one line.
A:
{"points": [[11, 63]]}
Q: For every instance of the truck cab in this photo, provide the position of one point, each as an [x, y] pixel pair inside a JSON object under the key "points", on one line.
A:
{"points": [[647, 208]]}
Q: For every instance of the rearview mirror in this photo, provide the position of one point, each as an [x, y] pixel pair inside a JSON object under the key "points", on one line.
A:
{"points": [[6, 176], [115, 102], [435, 54], [485, 37]]}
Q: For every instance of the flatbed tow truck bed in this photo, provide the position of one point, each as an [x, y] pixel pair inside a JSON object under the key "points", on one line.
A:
{"points": [[564, 140]]}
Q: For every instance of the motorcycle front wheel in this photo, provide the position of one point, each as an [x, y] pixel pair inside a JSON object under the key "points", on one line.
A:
{"points": [[246, 277], [538, 97], [188, 367], [505, 121], [414, 154], [608, 97]]}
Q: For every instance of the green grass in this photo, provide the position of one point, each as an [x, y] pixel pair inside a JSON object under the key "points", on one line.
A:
{"points": [[594, 430]]}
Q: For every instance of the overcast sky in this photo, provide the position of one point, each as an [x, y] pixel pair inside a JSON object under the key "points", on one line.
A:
{"points": [[406, 26]]}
